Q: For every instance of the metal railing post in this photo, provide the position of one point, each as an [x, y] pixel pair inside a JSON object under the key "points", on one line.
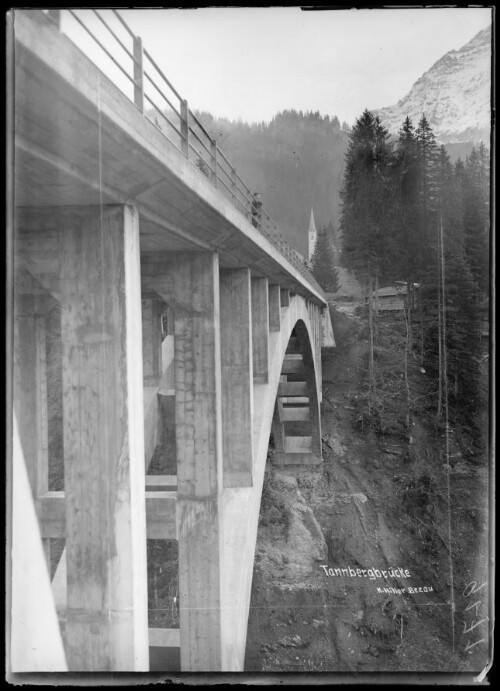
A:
{"points": [[185, 128], [213, 161], [138, 74], [233, 183]]}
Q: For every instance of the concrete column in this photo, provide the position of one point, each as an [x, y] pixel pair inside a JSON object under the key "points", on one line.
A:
{"points": [[151, 341], [237, 376], [277, 427], [198, 413], [24, 380], [285, 297], [30, 390], [107, 626], [274, 308], [260, 330]]}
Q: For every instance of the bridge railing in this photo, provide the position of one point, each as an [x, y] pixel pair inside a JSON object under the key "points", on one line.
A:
{"points": [[108, 41]]}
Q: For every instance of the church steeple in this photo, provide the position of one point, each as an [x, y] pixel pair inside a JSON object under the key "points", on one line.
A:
{"points": [[312, 234]]}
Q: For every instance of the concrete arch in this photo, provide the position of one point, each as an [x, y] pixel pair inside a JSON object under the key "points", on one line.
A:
{"points": [[241, 506]]}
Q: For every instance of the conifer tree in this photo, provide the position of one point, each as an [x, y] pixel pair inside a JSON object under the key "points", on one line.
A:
{"points": [[323, 265], [476, 217], [365, 209]]}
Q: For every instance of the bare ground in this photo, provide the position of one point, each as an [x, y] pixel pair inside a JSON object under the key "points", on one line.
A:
{"points": [[377, 501]]}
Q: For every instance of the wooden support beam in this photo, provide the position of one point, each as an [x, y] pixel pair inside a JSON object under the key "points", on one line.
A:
{"points": [[237, 376], [274, 308], [292, 388], [164, 638], [297, 444], [103, 419], [161, 481], [160, 514], [295, 414], [292, 366], [304, 458], [260, 330], [285, 297]]}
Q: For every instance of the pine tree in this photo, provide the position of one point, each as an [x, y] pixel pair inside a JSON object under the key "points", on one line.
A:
{"points": [[476, 218], [366, 208], [323, 264]]}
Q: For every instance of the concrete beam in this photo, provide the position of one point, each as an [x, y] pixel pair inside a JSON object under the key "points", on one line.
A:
{"points": [[274, 308], [237, 376], [260, 330], [103, 422], [285, 297]]}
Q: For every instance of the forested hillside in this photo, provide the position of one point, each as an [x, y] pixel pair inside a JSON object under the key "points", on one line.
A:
{"points": [[296, 162], [409, 215]]}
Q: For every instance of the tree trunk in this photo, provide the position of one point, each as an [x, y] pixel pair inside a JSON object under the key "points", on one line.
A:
{"points": [[370, 322], [440, 331]]}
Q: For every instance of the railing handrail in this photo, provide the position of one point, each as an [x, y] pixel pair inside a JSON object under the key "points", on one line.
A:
{"points": [[237, 191]]}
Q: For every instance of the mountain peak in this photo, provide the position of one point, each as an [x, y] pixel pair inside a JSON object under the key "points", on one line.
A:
{"points": [[454, 94]]}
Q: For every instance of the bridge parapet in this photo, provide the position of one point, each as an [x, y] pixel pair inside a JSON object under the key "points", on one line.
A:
{"points": [[119, 53]]}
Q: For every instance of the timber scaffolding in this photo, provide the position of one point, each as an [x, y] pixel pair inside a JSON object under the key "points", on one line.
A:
{"points": [[158, 100]]}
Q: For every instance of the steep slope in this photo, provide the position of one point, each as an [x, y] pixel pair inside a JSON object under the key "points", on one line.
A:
{"points": [[454, 95]]}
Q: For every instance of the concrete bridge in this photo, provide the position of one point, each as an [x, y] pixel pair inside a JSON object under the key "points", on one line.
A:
{"points": [[182, 311]]}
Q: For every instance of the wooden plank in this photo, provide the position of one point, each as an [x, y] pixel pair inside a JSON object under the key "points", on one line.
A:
{"points": [[297, 444], [160, 515], [161, 480], [293, 388], [274, 308], [164, 638], [260, 330], [296, 459], [295, 414], [103, 422], [237, 376], [295, 366]]}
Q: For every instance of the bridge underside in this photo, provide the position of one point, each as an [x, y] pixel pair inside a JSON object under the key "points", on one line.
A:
{"points": [[174, 313]]}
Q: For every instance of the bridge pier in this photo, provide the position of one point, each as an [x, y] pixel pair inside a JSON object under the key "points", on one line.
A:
{"points": [[189, 281], [260, 330], [237, 376], [106, 617]]}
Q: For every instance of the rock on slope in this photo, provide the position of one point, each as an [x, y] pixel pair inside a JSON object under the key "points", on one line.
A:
{"points": [[454, 95]]}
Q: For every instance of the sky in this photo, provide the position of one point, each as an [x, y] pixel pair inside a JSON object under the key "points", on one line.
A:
{"points": [[250, 63]]}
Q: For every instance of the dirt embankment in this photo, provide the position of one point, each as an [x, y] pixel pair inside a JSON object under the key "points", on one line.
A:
{"points": [[359, 560]]}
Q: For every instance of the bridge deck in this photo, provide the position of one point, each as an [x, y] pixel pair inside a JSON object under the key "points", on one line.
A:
{"points": [[80, 140]]}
